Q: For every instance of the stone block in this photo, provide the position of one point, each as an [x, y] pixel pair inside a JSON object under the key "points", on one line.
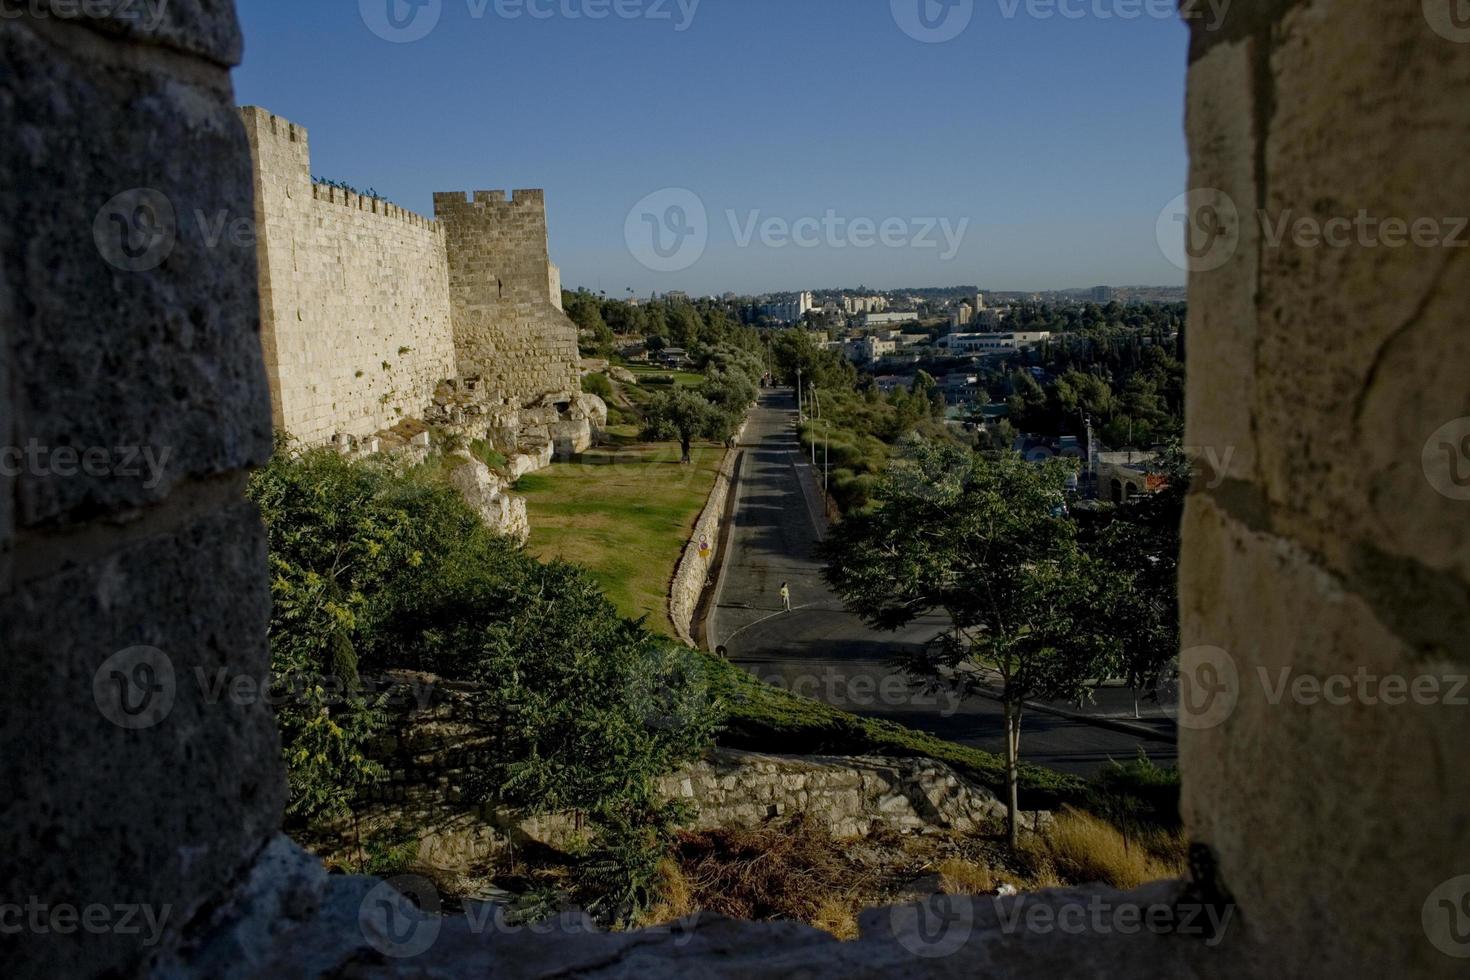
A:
{"points": [[1360, 137], [135, 342], [148, 778], [1221, 333], [1265, 622], [208, 28]]}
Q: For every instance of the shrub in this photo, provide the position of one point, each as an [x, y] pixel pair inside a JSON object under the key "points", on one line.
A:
{"points": [[376, 569], [599, 385]]}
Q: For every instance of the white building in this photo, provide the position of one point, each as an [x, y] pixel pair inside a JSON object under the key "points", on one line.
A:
{"points": [[987, 343], [864, 304], [883, 319], [792, 311], [962, 316]]}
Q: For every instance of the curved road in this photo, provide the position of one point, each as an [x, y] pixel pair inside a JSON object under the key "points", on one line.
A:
{"points": [[821, 650]]}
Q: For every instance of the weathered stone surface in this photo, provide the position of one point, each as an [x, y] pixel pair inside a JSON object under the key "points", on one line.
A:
{"points": [[160, 807], [851, 796], [486, 493], [354, 296], [1361, 126], [204, 27], [154, 371], [594, 409], [1222, 311], [1274, 752], [571, 437], [509, 329]]}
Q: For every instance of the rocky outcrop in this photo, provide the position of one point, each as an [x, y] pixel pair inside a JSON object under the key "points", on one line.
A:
{"points": [[487, 493]]}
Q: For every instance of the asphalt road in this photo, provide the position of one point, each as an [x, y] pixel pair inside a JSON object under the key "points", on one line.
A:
{"points": [[821, 650]]}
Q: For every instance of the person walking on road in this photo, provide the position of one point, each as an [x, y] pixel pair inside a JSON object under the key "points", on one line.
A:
{"points": [[785, 597]]}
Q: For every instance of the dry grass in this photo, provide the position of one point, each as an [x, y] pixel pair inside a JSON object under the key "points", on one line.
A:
{"points": [[794, 869], [1085, 849], [962, 876]]}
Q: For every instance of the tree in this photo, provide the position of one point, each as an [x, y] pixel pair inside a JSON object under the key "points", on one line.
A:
{"points": [[988, 543], [685, 415], [1139, 543]]}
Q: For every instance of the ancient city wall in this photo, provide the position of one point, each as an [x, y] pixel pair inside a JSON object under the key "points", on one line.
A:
{"points": [[509, 329], [354, 296]]}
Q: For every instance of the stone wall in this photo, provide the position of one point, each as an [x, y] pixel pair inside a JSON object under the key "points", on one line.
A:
{"points": [[367, 308], [354, 296], [1329, 372], [509, 329], [849, 796], [693, 572], [127, 334]]}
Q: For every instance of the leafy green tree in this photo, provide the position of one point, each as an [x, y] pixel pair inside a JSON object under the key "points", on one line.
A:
{"points": [[987, 542], [585, 310], [686, 415], [1139, 544]]}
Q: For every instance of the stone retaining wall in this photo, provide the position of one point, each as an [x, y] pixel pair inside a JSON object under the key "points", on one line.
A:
{"points": [[850, 796], [693, 572]]}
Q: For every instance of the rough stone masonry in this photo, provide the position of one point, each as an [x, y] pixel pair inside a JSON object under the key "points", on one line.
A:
{"points": [[373, 316]]}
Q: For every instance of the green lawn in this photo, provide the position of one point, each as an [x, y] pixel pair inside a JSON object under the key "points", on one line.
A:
{"points": [[685, 379], [625, 512]]}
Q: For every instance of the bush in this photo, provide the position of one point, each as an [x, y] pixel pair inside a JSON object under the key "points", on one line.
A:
{"points": [[599, 385], [375, 569]]}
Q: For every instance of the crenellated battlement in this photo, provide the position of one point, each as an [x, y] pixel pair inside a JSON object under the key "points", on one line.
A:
{"points": [[366, 306], [331, 194], [267, 123], [525, 198]]}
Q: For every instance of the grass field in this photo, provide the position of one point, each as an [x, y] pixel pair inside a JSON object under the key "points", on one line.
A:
{"points": [[624, 511], [686, 379]]}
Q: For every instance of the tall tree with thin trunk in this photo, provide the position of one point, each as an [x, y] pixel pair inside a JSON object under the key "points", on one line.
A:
{"points": [[985, 540]]}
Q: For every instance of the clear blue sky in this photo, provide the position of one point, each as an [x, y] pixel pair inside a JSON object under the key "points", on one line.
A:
{"points": [[1058, 139]]}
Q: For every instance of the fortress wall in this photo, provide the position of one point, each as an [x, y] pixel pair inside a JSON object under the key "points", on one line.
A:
{"points": [[354, 296], [509, 329]]}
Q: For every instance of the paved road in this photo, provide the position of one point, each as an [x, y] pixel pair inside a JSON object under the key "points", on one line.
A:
{"points": [[821, 650]]}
